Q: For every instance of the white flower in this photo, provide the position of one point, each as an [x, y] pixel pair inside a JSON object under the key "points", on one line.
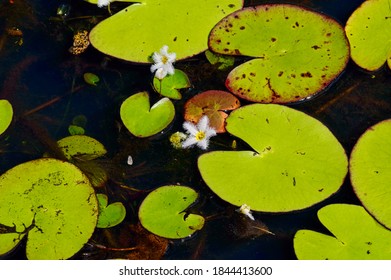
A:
{"points": [[245, 210], [163, 63], [198, 134], [103, 3]]}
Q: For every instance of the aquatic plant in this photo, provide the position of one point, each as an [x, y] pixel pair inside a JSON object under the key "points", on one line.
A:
{"points": [[356, 236], [170, 86], [6, 114], [164, 212], [52, 203], [163, 63], [370, 171], [298, 52], [369, 31], [142, 120], [296, 161], [198, 134], [137, 31], [111, 214], [212, 103]]}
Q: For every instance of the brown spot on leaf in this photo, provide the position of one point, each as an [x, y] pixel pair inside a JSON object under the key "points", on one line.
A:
{"points": [[274, 39], [315, 47], [242, 27], [280, 73], [306, 75]]}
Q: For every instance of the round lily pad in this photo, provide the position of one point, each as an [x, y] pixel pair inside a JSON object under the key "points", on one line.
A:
{"points": [[6, 114], [141, 29], [50, 201], [163, 212], [296, 162], [81, 146], [298, 52], [370, 171], [111, 214], [369, 32], [212, 103], [357, 236], [141, 119], [170, 85]]}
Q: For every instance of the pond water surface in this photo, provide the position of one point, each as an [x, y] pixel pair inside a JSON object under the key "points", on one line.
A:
{"points": [[44, 82]]}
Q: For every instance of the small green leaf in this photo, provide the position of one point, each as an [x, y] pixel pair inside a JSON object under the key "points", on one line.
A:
{"points": [[370, 171], [91, 79], [223, 61], [76, 130], [296, 162], [357, 236], [163, 212], [82, 147], [170, 85], [141, 119], [369, 32], [50, 201], [109, 215], [6, 114]]}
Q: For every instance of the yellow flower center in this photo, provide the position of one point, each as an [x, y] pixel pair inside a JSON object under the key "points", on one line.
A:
{"points": [[164, 59], [200, 135]]}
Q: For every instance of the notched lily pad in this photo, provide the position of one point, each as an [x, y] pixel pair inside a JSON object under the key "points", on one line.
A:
{"points": [[298, 52], [171, 84], [369, 32], [182, 25], [296, 162], [370, 171], [6, 114], [214, 104], [357, 236], [50, 201], [141, 119], [111, 214], [163, 212]]}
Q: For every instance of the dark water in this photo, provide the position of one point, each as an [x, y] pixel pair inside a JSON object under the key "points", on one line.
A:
{"points": [[44, 83]]}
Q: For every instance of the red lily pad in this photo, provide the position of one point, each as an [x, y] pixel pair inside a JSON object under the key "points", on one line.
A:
{"points": [[212, 103]]}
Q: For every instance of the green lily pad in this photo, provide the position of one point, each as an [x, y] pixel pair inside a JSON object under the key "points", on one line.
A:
{"points": [[82, 147], [6, 114], [296, 162], [141, 119], [163, 212], [50, 201], [298, 52], [357, 236], [91, 79], [170, 85], [214, 104], [370, 171], [109, 215], [369, 32], [141, 29]]}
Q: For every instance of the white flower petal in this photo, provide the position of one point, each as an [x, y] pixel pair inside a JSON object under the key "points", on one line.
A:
{"points": [[164, 50], [157, 57], [203, 144], [203, 123], [171, 57], [190, 141], [170, 69], [190, 128], [210, 132], [160, 73], [103, 3], [156, 66]]}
